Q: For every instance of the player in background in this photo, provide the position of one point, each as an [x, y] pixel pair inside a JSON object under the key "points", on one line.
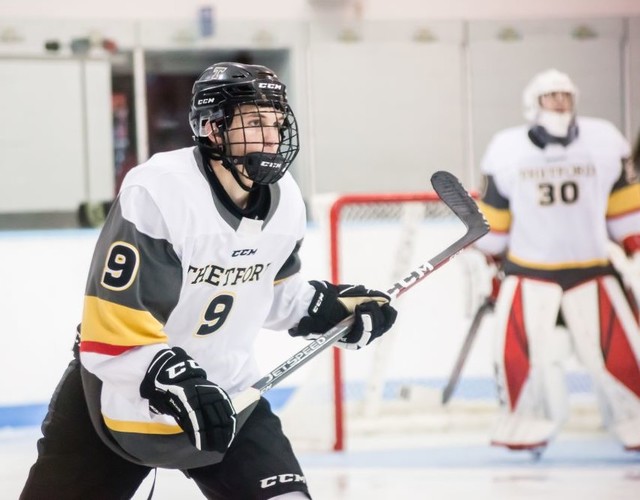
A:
{"points": [[198, 253], [557, 190]]}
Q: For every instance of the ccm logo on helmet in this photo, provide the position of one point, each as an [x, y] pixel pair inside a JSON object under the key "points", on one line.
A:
{"points": [[270, 164], [208, 100], [272, 86]]}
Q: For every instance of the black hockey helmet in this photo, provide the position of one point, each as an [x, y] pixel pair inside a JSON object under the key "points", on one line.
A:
{"points": [[216, 98]]}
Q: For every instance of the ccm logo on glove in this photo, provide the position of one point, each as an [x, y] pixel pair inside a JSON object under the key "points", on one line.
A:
{"points": [[180, 368], [176, 385], [331, 303]]}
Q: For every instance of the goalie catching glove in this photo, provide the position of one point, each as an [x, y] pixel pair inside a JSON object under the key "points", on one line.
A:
{"points": [[332, 303], [176, 385]]}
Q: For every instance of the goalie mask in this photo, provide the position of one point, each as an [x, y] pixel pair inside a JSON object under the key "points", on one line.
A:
{"points": [[557, 124], [240, 116]]}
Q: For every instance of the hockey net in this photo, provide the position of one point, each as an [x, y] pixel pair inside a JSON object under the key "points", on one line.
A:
{"points": [[396, 384]]}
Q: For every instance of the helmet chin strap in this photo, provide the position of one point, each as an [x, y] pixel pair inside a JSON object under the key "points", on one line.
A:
{"points": [[231, 167], [213, 154]]}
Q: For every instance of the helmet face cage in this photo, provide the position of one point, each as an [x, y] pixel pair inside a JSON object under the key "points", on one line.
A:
{"points": [[251, 134], [248, 107]]}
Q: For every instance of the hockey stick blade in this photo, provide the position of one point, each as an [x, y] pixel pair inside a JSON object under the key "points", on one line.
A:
{"points": [[455, 196], [486, 307]]}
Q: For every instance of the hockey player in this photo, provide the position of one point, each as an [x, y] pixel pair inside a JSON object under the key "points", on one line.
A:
{"points": [[556, 191], [198, 253]]}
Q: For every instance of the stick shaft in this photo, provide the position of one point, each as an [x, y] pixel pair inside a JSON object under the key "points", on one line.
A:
{"points": [[454, 195]]}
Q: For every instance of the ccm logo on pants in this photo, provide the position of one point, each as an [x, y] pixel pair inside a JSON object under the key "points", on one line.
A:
{"points": [[282, 478]]}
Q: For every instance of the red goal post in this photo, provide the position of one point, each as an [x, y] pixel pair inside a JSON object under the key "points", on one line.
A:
{"points": [[335, 213]]}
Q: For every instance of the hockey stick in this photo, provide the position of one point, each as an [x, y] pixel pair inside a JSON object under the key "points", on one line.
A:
{"points": [[454, 195], [486, 306]]}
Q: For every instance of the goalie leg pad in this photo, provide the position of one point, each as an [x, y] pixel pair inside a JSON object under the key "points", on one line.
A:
{"points": [[521, 432], [607, 341], [528, 368]]}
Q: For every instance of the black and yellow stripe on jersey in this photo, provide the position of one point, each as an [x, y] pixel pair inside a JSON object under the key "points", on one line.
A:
{"points": [[128, 298]]}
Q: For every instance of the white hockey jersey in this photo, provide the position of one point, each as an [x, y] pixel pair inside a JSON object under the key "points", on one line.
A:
{"points": [[173, 267], [555, 208]]}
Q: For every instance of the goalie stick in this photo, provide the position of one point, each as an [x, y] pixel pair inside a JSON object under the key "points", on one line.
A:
{"points": [[486, 306], [454, 195]]}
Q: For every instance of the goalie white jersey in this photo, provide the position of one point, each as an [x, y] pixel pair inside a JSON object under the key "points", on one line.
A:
{"points": [[553, 207], [556, 207], [164, 275]]}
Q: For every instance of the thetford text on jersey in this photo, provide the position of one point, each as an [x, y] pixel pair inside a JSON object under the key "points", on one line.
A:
{"points": [[219, 276]]}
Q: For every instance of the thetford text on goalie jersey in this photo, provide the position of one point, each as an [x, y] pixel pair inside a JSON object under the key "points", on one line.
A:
{"points": [[219, 276], [558, 171]]}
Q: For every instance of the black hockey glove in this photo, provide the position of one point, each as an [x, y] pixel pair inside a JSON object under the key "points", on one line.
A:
{"points": [[332, 303], [176, 385]]}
